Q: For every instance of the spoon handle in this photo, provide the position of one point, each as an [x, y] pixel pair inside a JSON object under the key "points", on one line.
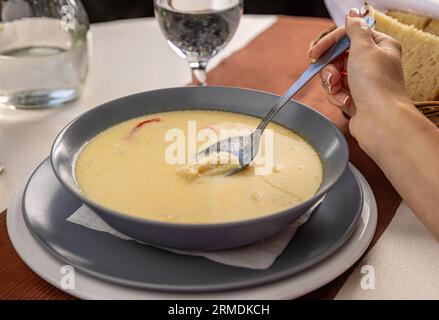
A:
{"points": [[334, 52]]}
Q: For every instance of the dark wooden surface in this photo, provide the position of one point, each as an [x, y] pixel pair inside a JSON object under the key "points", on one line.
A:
{"points": [[17, 281]]}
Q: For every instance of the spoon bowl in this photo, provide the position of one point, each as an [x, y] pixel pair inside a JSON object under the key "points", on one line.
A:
{"points": [[243, 148]]}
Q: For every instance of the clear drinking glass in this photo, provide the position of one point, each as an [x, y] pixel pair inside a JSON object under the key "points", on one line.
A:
{"points": [[43, 52], [198, 29]]}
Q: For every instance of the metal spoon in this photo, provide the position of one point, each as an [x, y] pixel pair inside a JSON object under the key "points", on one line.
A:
{"points": [[246, 147]]}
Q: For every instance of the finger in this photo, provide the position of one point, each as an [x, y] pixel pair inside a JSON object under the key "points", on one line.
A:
{"points": [[346, 116], [379, 37], [349, 109], [357, 29], [340, 63], [386, 42], [345, 83], [331, 75], [331, 89], [341, 99], [325, 43]]}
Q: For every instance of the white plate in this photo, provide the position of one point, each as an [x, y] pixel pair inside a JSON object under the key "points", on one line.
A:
{"points": [[338, 8], [87, 287]]}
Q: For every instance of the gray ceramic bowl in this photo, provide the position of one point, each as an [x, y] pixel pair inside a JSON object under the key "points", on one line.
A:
{"points": [[327, 140]]}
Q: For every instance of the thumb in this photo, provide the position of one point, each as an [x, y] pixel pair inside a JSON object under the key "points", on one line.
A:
{"points": [[357, 29]]}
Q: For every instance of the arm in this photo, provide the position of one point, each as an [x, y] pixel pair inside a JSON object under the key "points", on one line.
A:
{"points": [[407, 150]]}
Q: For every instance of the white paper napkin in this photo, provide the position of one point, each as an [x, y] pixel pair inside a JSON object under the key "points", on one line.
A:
{"points": [[260, 255]]}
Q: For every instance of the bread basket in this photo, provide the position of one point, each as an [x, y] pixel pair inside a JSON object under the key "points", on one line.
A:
{"points": [[430, 109]]}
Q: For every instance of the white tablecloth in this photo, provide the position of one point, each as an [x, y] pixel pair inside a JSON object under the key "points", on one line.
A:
{"points": [[132, 56]]}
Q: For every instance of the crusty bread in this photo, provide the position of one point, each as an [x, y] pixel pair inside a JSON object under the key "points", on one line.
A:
{"points": [[433, 27], [420, 56], [410, 19], [416, 20]]}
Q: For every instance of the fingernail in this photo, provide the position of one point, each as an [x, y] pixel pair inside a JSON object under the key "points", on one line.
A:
{"points": [[341, 97], [354, 12], [364, 24], [311, 59], [326, 77]]}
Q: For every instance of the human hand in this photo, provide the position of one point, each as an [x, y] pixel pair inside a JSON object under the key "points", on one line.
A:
{"points": [[383, 119], [374, 88]]}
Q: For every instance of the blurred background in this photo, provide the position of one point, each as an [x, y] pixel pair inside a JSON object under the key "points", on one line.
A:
{"points": [[99, 11]]}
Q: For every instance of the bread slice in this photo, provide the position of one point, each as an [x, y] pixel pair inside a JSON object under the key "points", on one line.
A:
{"points": [[416, 20], [433, 27], [410, 19], [420, 56]]}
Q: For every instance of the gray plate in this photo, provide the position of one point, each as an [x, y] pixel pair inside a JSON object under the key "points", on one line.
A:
{"points": [[46, 206]]}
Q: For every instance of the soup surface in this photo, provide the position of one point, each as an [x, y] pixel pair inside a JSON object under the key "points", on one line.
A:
{"points": [[140, 168]]}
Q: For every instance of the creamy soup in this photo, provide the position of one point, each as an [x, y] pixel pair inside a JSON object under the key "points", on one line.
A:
{"points": [[145, 167]]}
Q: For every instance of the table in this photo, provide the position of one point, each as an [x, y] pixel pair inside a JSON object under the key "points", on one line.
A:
{"points": [[131, 56]]}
